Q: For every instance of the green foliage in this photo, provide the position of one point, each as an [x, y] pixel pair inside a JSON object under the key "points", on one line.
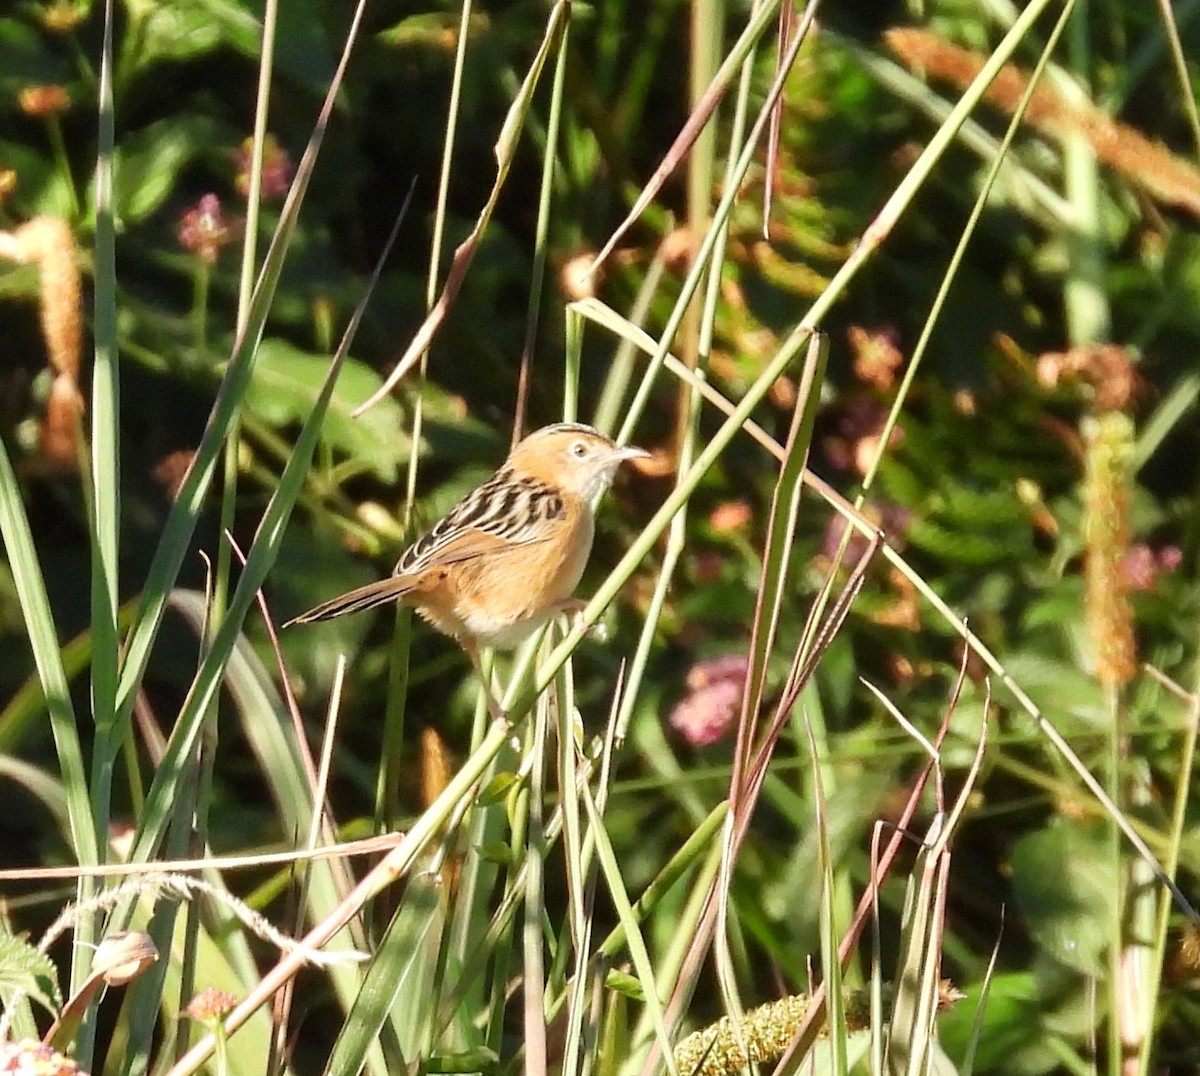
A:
{"points": [[555, 885], [285, 386], [26, 971]]}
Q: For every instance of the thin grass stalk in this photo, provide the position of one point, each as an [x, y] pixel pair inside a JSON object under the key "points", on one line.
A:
{"points": [[670, 962], [916, 990], [533, 979], [744, 781], [518, 826], [875, 984], [541, 231], [1147, 56], [586, 972], [777, 557], [704, 45], [677, 534], [611, 870], [505, 151], [1089, 321], [369, 846], [246, 278], [785, 506], [469, 925], [572, 367], [1175, 833], [315, 829], [578, 912], [689, 420], [742, 49], [105, 505], [620, 368], [831, 967], [1085, 301], [453, 111], [206, 759], [387, 792]]}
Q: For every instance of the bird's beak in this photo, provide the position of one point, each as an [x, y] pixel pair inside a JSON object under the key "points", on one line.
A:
{"points": [[629, 452]]}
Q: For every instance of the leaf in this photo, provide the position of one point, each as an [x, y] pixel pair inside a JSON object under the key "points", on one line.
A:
{"points": [[23, 969], [1064, 883], [956, 546], [188, 29], [496, 852], [496, 790], [26, 61], [285, 386], [147, 164], [623, 983], [1013, 1038], [42, 188]]}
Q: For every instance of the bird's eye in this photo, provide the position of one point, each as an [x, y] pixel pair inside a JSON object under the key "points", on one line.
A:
{"points": [[579, 449]]}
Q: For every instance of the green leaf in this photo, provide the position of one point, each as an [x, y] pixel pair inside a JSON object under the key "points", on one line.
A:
{"points": [[496, 790], [956, 546], [25, 60], [24, 970], [42, 187], [187, 29], [400, 984], [1013, 1038], [1063, 878], [285, 386], [626, 984], [496, 852], [147, 164]]}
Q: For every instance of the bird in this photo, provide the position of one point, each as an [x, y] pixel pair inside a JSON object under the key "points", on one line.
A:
{"points": [[507, 558]]}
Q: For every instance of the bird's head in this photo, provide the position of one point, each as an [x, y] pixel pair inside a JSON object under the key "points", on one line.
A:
{"points": [[574, 457]]}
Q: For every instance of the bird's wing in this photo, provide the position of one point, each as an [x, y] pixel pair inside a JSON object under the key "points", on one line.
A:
{"points": [[504, 513]]}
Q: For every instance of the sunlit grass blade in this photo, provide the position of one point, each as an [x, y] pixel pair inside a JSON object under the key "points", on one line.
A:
{"points": [[633, 936], [43, 638], [105, 495], [399, 983]]}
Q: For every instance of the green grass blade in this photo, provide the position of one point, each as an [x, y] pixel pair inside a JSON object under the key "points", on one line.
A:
{"points": [[39, 623], [398, 982]]}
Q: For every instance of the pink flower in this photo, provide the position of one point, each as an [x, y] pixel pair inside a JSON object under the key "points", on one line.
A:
{"points": [[277, 169], [715, 688], [1141, 566], [204, 229]]}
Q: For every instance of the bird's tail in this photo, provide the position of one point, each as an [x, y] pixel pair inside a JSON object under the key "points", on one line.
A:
{"points": [[380, 592]]}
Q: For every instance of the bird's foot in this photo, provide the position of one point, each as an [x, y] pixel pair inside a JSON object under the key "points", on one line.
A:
{"points": [[573, 609]]}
